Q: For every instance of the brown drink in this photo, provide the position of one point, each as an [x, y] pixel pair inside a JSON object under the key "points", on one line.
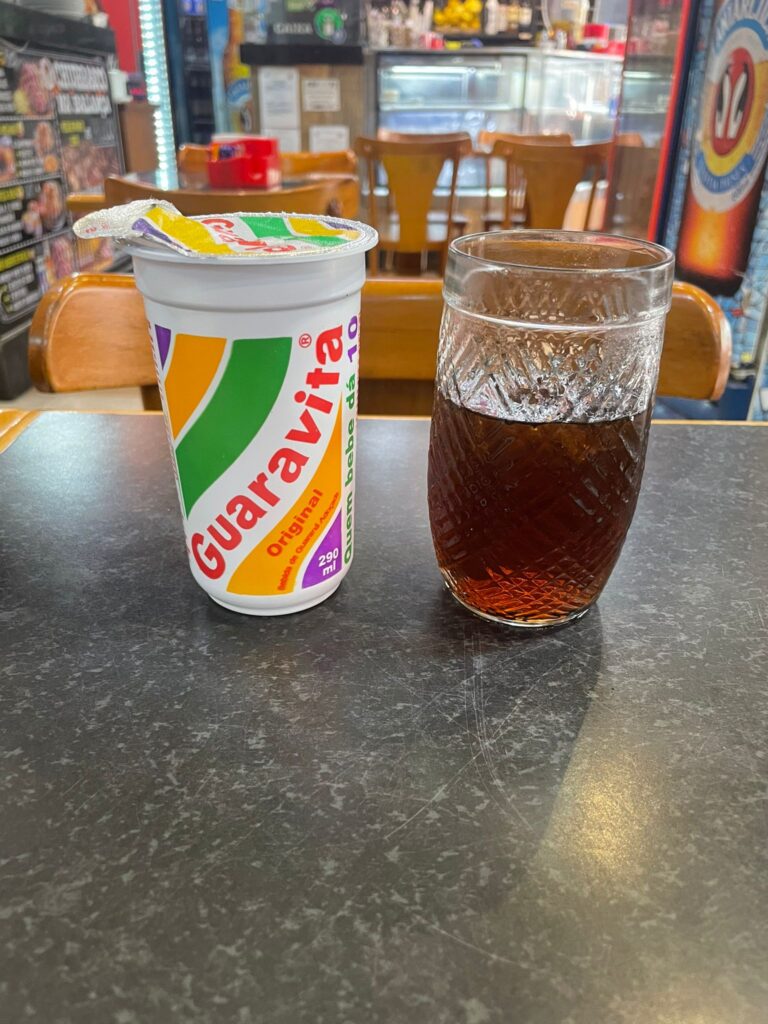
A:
{"points": [[528, 519], [547, 364]]}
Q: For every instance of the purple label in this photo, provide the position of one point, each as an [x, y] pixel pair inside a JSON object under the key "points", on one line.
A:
{"points": [[327, 559], [163, 336]]}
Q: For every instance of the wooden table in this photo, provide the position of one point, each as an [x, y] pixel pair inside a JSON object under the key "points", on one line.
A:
{"points": [[384, 809]]}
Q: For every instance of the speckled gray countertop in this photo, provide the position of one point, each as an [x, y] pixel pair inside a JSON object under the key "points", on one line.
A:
{"points": [[381, 810]]}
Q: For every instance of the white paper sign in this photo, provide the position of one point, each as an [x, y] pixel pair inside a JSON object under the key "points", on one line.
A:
{"points": [[320, 94], [328, 138], [288, 139], [278, 98]]}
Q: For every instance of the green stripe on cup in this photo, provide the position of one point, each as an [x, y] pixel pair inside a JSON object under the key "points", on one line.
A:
{"points": [[234, 415], [275, 227]]}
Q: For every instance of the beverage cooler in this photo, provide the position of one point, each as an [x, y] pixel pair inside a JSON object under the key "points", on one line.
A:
{"points": [[189, 69], [514, 89], [58, 134], [660, 39], [717, 216]]}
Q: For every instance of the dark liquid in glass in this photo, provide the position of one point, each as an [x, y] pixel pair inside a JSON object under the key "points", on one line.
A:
{"points": [[528, 519]]}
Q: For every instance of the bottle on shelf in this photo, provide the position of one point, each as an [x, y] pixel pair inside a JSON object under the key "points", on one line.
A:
{"points": [[237, 76]]}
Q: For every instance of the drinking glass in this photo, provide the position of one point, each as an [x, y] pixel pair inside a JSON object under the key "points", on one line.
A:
{"points": [[547, 366]]}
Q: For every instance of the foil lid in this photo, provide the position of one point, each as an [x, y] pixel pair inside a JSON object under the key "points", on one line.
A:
{"points": [[152, 225]]}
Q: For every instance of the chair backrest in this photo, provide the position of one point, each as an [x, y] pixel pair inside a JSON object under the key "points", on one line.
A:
{"points": [[696, 357], [385, 135], [412, 169], [316, 197], [89, 331], [552, 172], [634, 140], [486, 139], [192, 161], [342, 161], [514, 180]]}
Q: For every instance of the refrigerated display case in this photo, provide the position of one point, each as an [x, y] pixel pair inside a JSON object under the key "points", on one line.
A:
{"points": [[514, 89], [659, 45], [189, 65]]}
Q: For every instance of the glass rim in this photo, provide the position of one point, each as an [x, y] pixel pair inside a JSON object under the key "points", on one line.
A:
{"points": [[664, 257]]}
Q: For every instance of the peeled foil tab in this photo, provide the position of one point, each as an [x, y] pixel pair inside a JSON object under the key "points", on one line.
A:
{"points": [[154, 223]]}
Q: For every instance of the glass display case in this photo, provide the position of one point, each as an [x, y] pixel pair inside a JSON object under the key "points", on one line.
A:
{"points": [[658, 55], [573, 92], [515, 89], [453, 92]]}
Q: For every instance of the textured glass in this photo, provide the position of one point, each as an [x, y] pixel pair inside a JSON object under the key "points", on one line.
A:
{"points": [[548, 359]]}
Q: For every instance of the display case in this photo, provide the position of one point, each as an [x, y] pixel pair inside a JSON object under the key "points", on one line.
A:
{"points": [[514, 89], [659, 44], [573, 92], [189, 67]]}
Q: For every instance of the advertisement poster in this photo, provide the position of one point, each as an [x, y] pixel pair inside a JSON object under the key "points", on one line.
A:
{"points": [[718, 217], [57, 135]]}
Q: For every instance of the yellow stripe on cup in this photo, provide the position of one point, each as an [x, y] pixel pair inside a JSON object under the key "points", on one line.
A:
{"points": [[307, 226], [193, 366], [266, 573], [189, 232]]}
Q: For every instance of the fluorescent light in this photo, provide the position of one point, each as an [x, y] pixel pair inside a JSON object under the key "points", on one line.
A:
{"points": [[156, 74]]}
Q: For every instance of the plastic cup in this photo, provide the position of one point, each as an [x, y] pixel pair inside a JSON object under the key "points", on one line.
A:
{"points": [[257, 364]]}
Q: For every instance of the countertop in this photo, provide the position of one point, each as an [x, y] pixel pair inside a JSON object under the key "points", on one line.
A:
{"points": [[383, 809]]}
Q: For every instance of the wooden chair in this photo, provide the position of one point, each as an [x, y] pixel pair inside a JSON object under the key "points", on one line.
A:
{"points": [[438, 216], [552, 173], [412, 168], [89, 331], [321, 196], [192, 162], [514, 212], [296, 165]]}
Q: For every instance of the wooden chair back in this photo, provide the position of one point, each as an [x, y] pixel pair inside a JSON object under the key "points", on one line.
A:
{"points": [[192, 162], [514, 180], [412, 168], [320, 196], [696, 357], [89, 331], [486, 139], [295, 165], [552, 173], [385, 135]]}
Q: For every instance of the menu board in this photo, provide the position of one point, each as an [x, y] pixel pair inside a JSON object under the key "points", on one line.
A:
{"points": [[57, 135]]}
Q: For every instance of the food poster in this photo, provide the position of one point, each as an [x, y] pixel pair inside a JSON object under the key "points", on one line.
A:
{"points": [[57, 135]]}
